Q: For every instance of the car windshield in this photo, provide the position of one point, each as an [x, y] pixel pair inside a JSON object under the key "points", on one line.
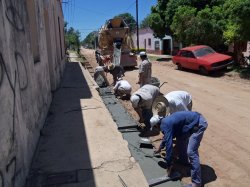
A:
{"points": [[203, 51]]}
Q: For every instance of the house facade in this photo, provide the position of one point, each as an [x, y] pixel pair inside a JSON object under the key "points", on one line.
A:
{"points": [[152, 44], [32, 60]]}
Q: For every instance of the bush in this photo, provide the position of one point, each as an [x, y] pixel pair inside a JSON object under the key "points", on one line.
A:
{"points": [[134, 50]]}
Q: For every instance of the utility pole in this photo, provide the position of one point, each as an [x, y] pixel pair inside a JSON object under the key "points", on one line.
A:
{"points": [[137, 26]]}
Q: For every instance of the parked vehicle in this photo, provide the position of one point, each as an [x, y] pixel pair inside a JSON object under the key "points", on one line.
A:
{"points": [[115, 41], [202, 58]]}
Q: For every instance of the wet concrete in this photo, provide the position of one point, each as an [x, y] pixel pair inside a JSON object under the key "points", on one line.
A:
{"points": [[126, 124]]}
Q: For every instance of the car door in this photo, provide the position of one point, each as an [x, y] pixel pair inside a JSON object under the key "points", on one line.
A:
{"points": [[191, 60], [182, 58]]}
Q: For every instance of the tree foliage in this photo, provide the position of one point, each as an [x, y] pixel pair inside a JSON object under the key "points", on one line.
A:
{"points": [[199, 27], [90, 40], [238, 23], [145, 23], [129, 19], [211, 22], [72, 38]]}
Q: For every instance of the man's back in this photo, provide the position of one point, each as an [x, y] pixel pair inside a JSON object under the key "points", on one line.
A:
{"points": [[178, 100], [148, 93], [145, 68]]}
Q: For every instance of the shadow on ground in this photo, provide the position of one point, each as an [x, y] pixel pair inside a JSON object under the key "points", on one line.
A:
{"points": [[207, 173], [164, 59], [62, 155], [215, 74]]}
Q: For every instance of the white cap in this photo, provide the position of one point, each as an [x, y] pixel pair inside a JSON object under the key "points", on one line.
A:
{"points": [[143, 53], [155, 120], [135, 100]]}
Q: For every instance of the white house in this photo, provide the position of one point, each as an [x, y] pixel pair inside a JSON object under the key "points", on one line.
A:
{"points": [[152, 44]]}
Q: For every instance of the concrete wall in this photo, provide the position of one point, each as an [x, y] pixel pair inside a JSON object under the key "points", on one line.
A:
{"points": [[31, 65]]}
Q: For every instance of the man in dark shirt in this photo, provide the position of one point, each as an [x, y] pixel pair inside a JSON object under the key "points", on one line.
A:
{"points": [[188, 128]]}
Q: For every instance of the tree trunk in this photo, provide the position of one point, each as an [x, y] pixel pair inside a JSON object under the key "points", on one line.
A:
{"points": [[239, 47]]}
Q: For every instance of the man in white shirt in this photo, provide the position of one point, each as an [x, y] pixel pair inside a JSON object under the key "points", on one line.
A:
{"points": [[142, 101], [179, 101], [145, 70], [122, 88]]}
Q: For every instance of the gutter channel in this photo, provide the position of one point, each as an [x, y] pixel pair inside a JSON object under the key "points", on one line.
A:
{"points": [[126, 125]]}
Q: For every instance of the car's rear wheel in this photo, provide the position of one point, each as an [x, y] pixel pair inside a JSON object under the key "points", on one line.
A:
{"points": [[179, 67], [203, 70]]}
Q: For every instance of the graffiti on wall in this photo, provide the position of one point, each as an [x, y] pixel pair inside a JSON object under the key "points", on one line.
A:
{"points": [[1, 179], [13, 16], [11, 166], [21, 71], [12, 86], [10, 170]]}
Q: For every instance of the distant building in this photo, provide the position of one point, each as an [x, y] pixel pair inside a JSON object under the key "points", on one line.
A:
{"points": [[155, 45], [32, 60]]}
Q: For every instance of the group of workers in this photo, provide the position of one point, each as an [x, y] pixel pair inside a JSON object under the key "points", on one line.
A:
{"points": [[173, 115]]}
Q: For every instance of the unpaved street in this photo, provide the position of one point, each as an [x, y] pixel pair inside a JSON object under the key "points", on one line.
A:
{"points": [[225, 103]]}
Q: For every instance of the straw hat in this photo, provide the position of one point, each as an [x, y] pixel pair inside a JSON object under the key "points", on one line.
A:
{"points": [[160, 106], [111, 66]]}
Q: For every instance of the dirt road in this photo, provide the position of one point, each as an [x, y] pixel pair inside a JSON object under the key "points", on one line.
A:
{"points": [[225, 103]]}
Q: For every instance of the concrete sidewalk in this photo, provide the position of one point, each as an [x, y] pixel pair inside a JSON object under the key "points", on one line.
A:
{"points": [[80, 144]]}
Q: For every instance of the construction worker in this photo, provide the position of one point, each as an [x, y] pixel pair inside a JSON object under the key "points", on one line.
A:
{"points": [[172, 102], [188, 128], [142, 101], [122, 88], [179, 101], [115, 71], [145, 70]]}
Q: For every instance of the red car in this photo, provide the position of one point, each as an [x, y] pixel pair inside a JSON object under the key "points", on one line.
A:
{"points": [[202, 58]]}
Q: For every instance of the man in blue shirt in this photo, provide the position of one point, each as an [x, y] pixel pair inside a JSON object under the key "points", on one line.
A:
{"points": [[188, 128]]}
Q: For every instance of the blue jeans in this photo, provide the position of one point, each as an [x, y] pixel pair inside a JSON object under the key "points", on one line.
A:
{"points": [[188, 146], [147, 114]]}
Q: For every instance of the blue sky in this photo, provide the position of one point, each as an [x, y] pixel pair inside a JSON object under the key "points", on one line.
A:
{"points": [[89, 15]]}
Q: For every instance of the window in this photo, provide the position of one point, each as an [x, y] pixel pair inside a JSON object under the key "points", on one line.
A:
{"points": [[157, 45], [187, 54], [149, 41], [34, 42]]}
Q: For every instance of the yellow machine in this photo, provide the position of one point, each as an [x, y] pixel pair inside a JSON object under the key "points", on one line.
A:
{"points": [[114, 40]]}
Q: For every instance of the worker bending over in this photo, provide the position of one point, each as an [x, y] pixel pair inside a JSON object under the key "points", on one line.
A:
{"points": [[179, 101], [142, 101], [122, 88], [188, 128]]}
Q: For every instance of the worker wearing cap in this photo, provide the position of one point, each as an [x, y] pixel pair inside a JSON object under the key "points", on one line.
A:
{"points": [[145, 70], [142, 101], [179, 101], [122, 87], [115, 71], [188, 128]]}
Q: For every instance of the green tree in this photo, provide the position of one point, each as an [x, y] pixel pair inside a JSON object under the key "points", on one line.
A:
{"points": [[72, 38], [145, 23], [157, 18], [163, 13], [90, 40], [129, 19], [237, 28], [199, 27]]}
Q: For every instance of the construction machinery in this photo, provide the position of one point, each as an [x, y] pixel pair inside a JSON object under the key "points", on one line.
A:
{"points": [[114, 41]]}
